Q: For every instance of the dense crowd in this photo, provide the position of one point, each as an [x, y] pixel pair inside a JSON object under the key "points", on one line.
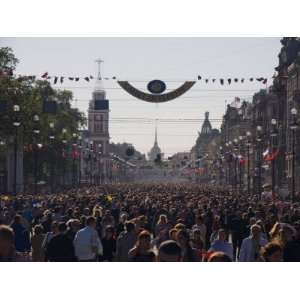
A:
{"points": [[147, 223]]}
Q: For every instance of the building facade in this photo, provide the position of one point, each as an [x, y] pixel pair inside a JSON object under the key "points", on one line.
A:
{"points": [[96, 162]]}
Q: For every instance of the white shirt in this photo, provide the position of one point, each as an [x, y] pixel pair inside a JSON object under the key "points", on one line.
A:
{"points": [[84, 241], [246, 252]]}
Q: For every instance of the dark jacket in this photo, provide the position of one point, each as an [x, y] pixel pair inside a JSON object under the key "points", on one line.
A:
{"points": [[61, 249], [22, 240], [291, 251]]}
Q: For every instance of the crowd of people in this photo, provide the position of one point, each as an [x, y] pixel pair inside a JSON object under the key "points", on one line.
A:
{"points": [[147, 223]]}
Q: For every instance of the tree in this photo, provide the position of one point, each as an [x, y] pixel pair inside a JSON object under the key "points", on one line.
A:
{"points": [[29, 94]]}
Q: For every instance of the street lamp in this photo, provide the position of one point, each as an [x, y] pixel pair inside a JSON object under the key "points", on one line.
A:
{"points": [[235, 141], [293, 127], [248, 135], [241, 138], [91, 162], [36, 132], [16, 124], [259, 157], [273, 136], [99, 166], [74, 135], [79, 158], [52, 157], [64, 141]]}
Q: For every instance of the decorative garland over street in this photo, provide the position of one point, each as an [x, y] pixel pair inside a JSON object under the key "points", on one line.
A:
{"points": [[154, 98]]}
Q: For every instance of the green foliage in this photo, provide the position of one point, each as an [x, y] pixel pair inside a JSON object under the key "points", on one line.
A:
{"points": [[7, 58], [29, 94]]}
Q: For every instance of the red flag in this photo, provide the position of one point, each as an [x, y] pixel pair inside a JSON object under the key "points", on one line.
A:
{"points": [[271, 155]]}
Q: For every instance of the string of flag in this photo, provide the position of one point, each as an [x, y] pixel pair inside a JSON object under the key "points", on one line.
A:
{"points": [[60, 79], [222, 81]]}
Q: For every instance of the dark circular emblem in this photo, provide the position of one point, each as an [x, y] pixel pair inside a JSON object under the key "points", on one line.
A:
{"points": [[156, 86]]}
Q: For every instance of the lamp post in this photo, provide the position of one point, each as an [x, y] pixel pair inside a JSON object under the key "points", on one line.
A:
{"points": [[221, 165], [36, 132], [293, 128], [241, 138], [227, 165], [79, 158], [259, 156], [16, 124], [230, 177], [64, 142], [236, 163], [74, 154], [99, 166], [248, 134], [273, 147], [91, 162], [52, 156]]}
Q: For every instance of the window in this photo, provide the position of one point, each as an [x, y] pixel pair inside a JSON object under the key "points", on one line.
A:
{"points": [[98, 117], [98, 127]]}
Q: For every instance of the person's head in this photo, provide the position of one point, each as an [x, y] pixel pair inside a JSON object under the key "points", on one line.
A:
{"points": [[297, 227], [75, 225], [17, 219], [252, 221], [219, 257], [62, 227], [97, 213], [182, 237], [48, 215], [38, 229], [70, 212], [255, 231], [179, 226], [86, 211], [169, 251], [274, 232], [144, 240], [222, 235], [162, 219], [199, 220], [123, 218], [129, 226], [272, 252], [196, 234], [7, 238], [54, 227], [197, 239], [91, 222], [286, 233]]}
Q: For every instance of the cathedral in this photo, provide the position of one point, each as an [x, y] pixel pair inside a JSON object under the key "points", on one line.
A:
{"points": [[155, 150], [205, 139]]}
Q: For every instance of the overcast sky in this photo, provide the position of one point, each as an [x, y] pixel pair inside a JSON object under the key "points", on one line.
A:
{"points": [[144, 59]]}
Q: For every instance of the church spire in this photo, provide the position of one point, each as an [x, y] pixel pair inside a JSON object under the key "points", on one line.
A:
{"points": [[155, 140], [206, 127], [99, 82]]}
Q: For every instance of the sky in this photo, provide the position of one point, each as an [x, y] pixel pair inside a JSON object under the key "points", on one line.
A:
{"points": [[140, 60]]}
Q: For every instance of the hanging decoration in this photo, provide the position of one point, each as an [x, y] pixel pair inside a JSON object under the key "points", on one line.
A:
{"points": [[154, 98], [154, 86]]}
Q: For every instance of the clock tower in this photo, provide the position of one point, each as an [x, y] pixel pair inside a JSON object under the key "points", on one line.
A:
{"points": [[98, 128]]}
